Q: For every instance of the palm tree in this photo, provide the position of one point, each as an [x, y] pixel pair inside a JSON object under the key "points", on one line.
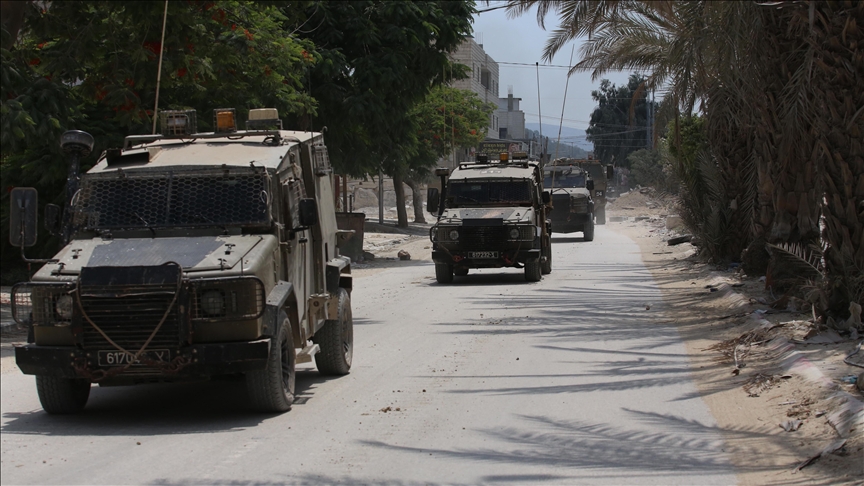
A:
{"points": [[781, 88]]}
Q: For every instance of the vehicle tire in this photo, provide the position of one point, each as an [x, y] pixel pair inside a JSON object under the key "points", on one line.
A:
{"points": [[601, 215], [336, 340], [443, 273], [271, 390], [460, 271], [532, 271], [62, 395], [588, 230], [546, 267]]}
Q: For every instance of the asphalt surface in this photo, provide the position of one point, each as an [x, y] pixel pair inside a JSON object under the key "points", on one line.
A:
{"points": [[575, 379]]}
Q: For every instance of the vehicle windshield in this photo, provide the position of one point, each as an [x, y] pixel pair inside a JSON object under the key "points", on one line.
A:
{"points": [[173, 199], [466, 193], [564, 179]]}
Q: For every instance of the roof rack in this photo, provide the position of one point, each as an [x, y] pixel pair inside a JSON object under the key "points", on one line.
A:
{"points": [[133, 140]]}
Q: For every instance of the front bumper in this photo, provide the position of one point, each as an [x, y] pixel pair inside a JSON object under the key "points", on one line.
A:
{"points": [[569, 222], [195, 361], [507, 258]]}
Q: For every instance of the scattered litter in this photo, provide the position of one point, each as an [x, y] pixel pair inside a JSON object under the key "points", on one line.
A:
{"points": [[851, 379], [791, 425], [792, 402], [846, 359], [820, 413], [738, 284]]}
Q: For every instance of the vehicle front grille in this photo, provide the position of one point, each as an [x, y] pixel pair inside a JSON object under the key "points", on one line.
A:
{"points": [[129, 314], [484, 237]]}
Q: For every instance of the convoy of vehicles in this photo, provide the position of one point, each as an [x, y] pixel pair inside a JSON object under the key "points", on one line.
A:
{"points": [[188, 256], [491, 214]]}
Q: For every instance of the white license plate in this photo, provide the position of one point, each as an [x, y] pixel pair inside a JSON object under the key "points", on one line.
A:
{"points": [[483, 254], [119, 358]]}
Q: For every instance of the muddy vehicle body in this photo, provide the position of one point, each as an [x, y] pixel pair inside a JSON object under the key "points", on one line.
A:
{"points": [[491, 215], [603, 177], [572, 205], [190, 256]]}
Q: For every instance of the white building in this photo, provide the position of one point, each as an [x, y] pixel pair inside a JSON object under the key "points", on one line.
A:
{"points": [[511, 120], [483, 78]]}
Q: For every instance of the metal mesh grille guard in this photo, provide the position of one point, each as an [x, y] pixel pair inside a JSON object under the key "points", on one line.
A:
{"points": [[186, 198]]}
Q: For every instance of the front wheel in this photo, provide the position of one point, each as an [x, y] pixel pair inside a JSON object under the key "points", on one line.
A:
{"points": [[62, 395], [546, 264], [443, 273], [588, 231], [271, 390], [336, 340], [601, 215], [532, 271]]}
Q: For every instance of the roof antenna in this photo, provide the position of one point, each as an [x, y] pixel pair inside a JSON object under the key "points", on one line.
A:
{"points": [[159, 69], [561, 124]]}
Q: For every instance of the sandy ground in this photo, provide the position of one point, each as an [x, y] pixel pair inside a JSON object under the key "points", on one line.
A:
{"points": [[749, 403]]}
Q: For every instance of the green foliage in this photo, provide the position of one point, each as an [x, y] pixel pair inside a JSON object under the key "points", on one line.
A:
{"points": [[648, 168], [92, 66], [378, 60], [449, 118], [619, 123], [704, 205]]}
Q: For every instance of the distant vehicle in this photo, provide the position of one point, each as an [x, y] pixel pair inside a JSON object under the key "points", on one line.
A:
{"points": [[572, 205], [492, 214], [188, 256], [604, 180]]}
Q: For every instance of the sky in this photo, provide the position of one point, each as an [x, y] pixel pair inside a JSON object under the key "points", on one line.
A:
{"points": [[521, 40]]}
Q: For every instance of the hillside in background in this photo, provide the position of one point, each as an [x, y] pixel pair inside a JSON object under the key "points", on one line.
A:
{"points": [[575, 136]]}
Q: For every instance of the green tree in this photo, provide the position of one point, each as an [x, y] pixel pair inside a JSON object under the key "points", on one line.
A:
{"points": [[783, 118], [378, 60], [647, 168], [619, 123], [93, 66], [447, 119]]}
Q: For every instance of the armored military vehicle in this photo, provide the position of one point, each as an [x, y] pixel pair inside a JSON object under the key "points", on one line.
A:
{"points": [[603, 177], [572, 205], [492, 214], [188, 256]]}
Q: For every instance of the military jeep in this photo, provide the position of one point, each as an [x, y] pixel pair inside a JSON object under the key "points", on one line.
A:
{"points": [[572, 205], [188, 256], [491, 215]]}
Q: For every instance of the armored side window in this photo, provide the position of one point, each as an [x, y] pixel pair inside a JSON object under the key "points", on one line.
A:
{"points": [[293, 191]]}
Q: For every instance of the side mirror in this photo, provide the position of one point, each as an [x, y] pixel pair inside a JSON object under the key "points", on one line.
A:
{"points": [[610, 172], [23, 216], [589, 185], [308, 213], [546, 197], [432, 199], [52, 218]]}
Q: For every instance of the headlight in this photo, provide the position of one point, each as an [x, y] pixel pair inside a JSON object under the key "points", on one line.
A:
{"points": [[454, 235], [514, 234], [213, 303], [229, 299], [64, 306]]}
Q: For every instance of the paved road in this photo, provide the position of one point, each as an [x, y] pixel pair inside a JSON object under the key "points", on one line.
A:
{"points": [[488, 380]]}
